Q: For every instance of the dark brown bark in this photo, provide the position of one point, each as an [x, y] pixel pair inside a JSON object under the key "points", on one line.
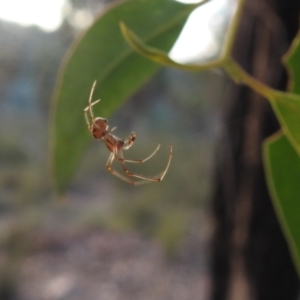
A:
{"points": [[251, 259]]}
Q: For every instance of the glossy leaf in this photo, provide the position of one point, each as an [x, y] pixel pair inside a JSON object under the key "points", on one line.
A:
{"points": [[102, 54], [292, 61], [282, 155], [151, 53], [287, 109], [282, 165], [159, 56]]}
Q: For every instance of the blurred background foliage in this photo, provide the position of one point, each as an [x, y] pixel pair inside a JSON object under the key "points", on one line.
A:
{"points": [[178, 107]]}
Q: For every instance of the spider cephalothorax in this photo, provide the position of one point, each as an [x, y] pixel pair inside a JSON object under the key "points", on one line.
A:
{"points": [[99, 128]]}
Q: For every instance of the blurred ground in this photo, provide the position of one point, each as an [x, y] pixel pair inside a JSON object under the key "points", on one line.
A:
{"points": [[82, 250], [101, 264]]}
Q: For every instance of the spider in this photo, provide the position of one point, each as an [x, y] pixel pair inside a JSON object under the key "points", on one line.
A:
{"points": [[100, 131]]}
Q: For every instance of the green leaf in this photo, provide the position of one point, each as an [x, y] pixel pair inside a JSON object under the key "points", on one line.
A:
{"points": [[292, 61], [287, 109], [102, 54], [140, 47], [282, 166], [159, 56]]}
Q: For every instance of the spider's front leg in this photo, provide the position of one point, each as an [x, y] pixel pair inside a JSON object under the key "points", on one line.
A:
{"points": [[87, 118], [88, 110]]}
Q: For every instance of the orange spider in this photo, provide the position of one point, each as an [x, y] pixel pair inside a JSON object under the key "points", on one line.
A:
{"points": [[100, 130]]}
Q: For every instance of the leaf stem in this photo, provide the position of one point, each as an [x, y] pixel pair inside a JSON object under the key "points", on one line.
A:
{"points": [[238, 74]]}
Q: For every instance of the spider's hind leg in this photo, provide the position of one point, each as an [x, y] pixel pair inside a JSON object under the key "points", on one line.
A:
{"points": [[136, 161], [157, 178], [116, 173]]}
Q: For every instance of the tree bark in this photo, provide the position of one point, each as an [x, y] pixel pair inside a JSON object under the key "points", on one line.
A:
{"points": [[251, 259]]}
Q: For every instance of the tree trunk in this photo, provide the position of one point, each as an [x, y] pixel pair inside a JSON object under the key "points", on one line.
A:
{"points": [[250, 257]]}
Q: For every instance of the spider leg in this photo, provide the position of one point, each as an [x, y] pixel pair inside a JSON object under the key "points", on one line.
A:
{"points": [[92, 91], [89, 107], [137, 161], [87, 119], [157, 178], [113, 172], [168, 164]]}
